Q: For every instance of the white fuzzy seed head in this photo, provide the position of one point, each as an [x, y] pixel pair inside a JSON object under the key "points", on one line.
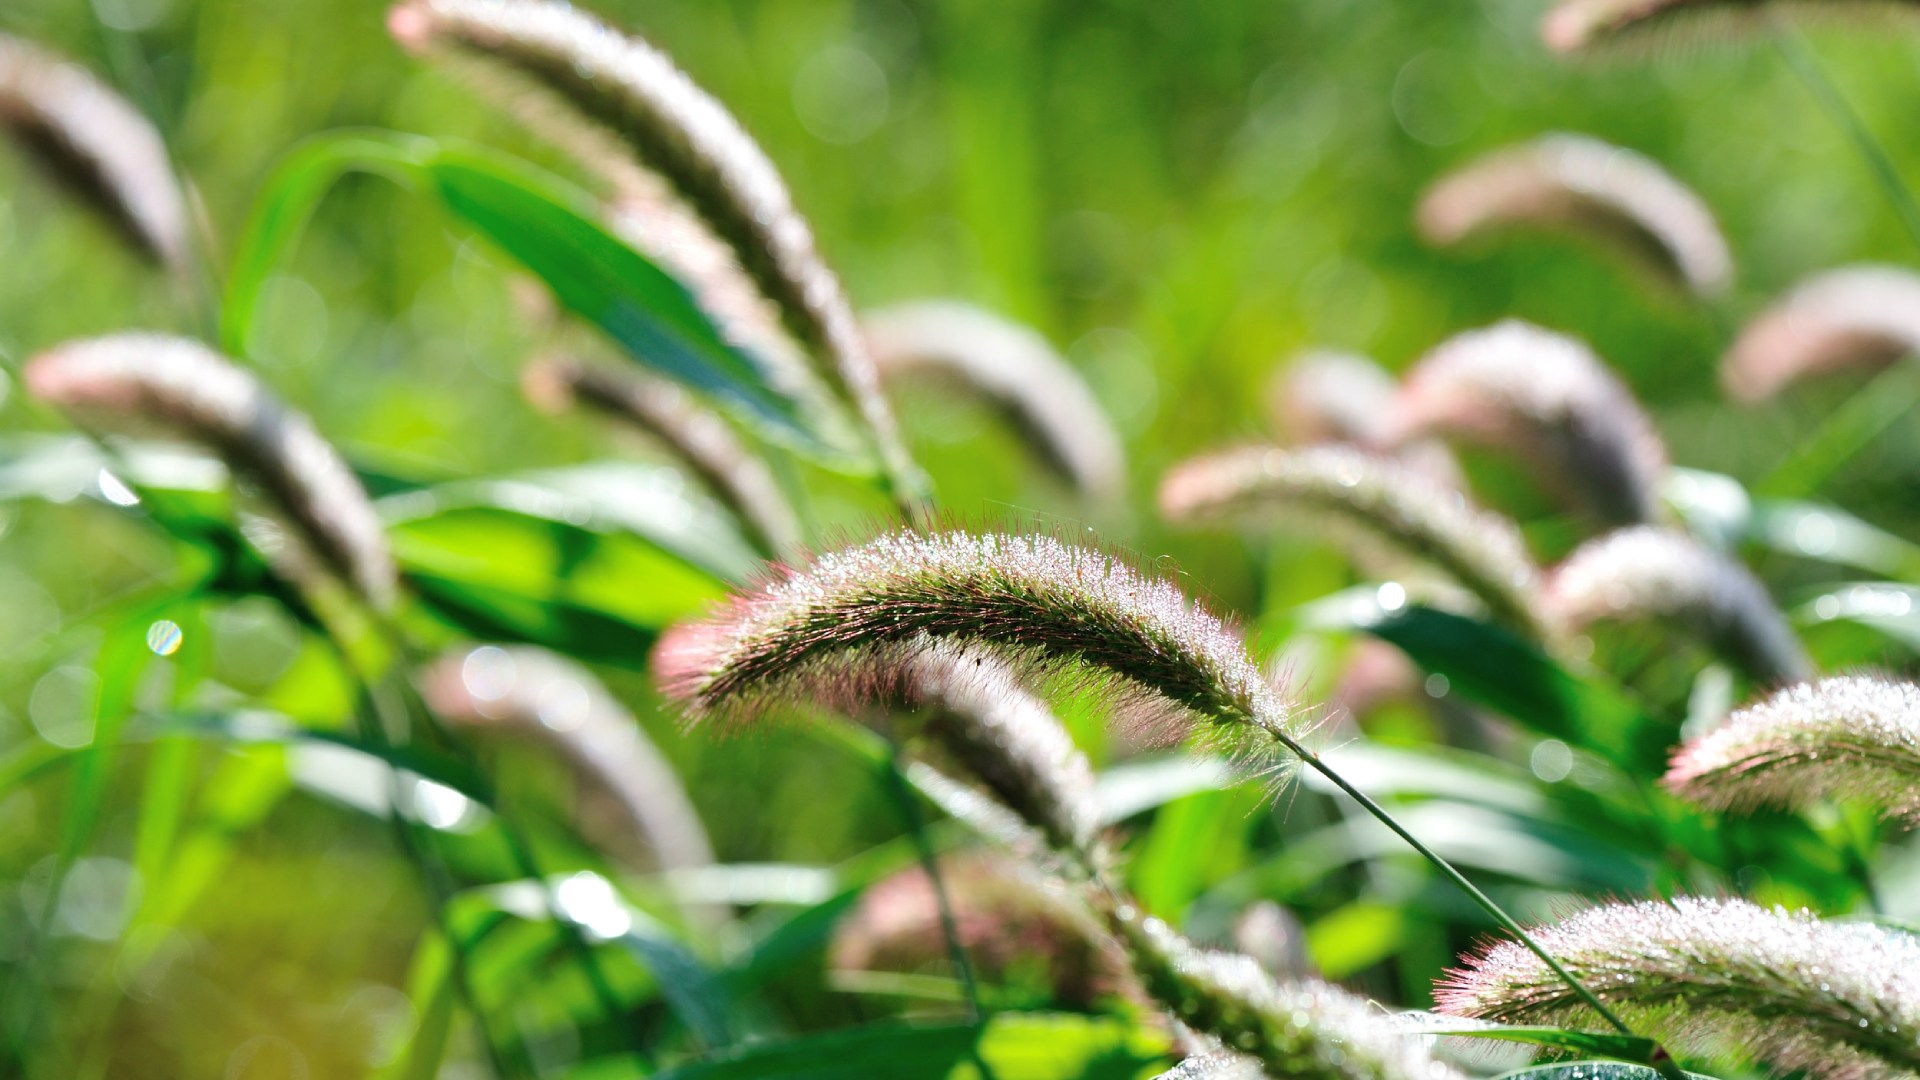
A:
{"points": [[110, 153], [1013, 366], [1581, 185], [178, 385], [1378, 502], [1650, 573], [1548, 398], [1853, 737], [1856, 316], [1839, 1000]]}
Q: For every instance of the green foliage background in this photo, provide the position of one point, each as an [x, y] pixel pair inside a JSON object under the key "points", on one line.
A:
{"points": [[1178, 195]]}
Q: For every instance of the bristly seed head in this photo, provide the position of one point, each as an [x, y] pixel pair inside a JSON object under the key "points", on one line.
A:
{"points": [[1303, 1030], [984, 720], [1856, 316], [1584, 26], [97, 142], [1013, 366], [1655, 573], [837, 631], [1374, 500], [1588, 187], [1839, 1000], [621, 89], [1548, 398], [191, 391], [1854, 738], [697, 435]]}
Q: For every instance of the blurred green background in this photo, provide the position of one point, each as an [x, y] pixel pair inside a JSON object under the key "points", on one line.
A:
{"points": [[1178, 195]]}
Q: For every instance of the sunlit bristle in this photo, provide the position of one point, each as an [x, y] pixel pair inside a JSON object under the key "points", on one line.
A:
{"points": [[1650, 573], [1853, 738], [1013, 366], [537, 696], [695, 434], [1376, 501], [1548, 399], [178, 385], [1856, 316], [1306, 1030], [1838, 1000], [1013, 925], [1588, 26], [625, 91], [1589, 188], [837, 632], [106, 152], [1215, 1066]]}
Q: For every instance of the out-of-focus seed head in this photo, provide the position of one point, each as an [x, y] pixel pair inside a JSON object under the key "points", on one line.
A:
{"points": [[836, 632], [1305, 1030], [1839, 1000], [551, 60], [1650, 573], [1854, 737], [1581, 185], [982, 718], [152, 380], [1380, 503], [540, 697], [696, 435], [1016, 928], [1013, 366], [1549, 399], [1586, 26], [1856, 316], [108, 154]]}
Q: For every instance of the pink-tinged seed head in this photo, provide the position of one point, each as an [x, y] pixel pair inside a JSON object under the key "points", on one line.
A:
{"points": [[1580, 185], [1854, 738], [1856, 316], [1839, 1000]]}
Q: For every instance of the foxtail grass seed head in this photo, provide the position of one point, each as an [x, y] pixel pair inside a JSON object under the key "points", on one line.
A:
{"points": [[1304, 1030], [1275, 939], [1548, 398], [178, 385], [100, 145], [1326, 396], [627, 91], [1589, 188], [1016, 927], [1379, 502], [1650, 573], [836, 631], [634, 806], [1014, 367], [1585, 26], [1215, 1066], [1839, 1000], [1851, 737], [1856, 316], [983, 719], [698, 436]]}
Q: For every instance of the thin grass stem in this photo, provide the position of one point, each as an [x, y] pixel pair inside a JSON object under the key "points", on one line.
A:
{"points": [[1805, 63]]}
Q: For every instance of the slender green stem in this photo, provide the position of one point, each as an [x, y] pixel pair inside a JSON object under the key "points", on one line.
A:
{"points": [[1661, 1060], [1800, 56], [929, 863]]}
